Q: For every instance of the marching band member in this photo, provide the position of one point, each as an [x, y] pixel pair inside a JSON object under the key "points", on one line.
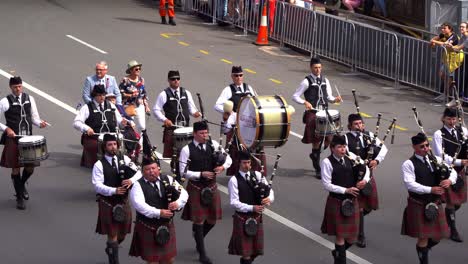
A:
{"points": [[154, 214], [341, 217], [247, 204], [98, 116], [101, 77], [317, 94], [424, 217], [358, 142], [173, 107], [204, 203], [111, 182], [21, 114], [445, 143]]}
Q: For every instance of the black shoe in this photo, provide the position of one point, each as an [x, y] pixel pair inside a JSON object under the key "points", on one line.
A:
{"points": [[361, 242], [205, 260], [454, 236], [199, 239], [315, 157], [25, 193], [163, 21], [172, 22], [20, 204]]}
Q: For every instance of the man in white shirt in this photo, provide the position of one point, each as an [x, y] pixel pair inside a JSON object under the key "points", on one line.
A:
{"points": [[154, 236], [424, 216], [112, 176], [341, 217], [248, 201], [21, 114]]}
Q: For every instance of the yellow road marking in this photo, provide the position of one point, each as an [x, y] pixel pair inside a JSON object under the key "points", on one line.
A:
{"points": [[168, 35], [365, 115], [204, 52], [183, 43], [275, 81], [250, 71], [401, 128], [226, 61]]}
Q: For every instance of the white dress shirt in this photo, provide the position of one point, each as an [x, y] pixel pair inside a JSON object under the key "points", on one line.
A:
{"points": [[5, 105], [185, 154], [162, 99], [327, 170], [80, 119], [437, 145], [230, 123], [409, 177], [226, 94], [383, 150], [137, 198], [98, 176], [304, 85], [234, 193]]}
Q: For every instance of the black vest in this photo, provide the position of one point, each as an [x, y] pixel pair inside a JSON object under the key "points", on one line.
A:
{"points": [[97, 119], [353, 143], [312, 93], [449, 147], [236, 96], [342, 176], [174, 109], [201, 161], [425, 177], [13, 115], [246, 191], [153, 199], [111, 177]]}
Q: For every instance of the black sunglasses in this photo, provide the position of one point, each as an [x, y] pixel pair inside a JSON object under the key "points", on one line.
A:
{"points": [[174, 79], [238, 75], [424, 146], [137, 69]]}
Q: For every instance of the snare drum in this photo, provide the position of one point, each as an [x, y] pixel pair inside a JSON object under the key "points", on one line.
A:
{"points": [[324, 127], [32, 149], [182, 136], [263, 121], [101, 139]]}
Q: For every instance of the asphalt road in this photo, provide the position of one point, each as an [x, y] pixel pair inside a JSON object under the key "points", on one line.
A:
{"points": [[58, 225]]}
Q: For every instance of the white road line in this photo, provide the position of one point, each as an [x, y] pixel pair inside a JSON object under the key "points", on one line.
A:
{"points": [[280, 219], [295, 134], [86, 44]]}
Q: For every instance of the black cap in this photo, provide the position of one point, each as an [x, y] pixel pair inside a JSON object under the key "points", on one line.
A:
{"points": [[98, 89], [236, 69], [338, 140], [244, 155], [200, 125], [450, 112], [418, 139], [15, 80], [354, 117], [173, 74], [315, 60], [109, 137], [148, 161]]}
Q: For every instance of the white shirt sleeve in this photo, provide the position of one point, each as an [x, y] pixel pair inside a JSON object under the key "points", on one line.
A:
{"points": [[184, 155], [4, 106], [300, 91], [234, 197], [230, 123], [183, 193], [98, 181], [137, 199], [326, 173], [191, 104], [409, 178], [81, 116], [158, 107], [34, 113], [383, 150], [252, 91], [223, 97], [330, 96], [437, 143]]}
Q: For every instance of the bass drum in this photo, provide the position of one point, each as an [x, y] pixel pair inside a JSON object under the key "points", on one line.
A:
{"points": [[263, 121]]}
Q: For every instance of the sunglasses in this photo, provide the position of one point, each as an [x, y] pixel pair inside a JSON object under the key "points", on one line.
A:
{"points": [[424, 146], [238, 75], [137, 69], [174, 79], [100, 69]]}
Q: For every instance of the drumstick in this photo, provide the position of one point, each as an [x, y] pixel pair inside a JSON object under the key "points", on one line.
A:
{"points": [[338, 92], [47, 124]]}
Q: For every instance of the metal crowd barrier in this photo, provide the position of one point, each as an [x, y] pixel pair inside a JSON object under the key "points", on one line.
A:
{"points": [[343, 39]]}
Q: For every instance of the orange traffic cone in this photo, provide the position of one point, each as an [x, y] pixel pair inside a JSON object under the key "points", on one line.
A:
{"points": [[262, 37]]}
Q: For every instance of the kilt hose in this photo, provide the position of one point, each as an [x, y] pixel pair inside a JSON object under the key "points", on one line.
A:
{"points": [[90, 150], [335, 224], [241, 244], [144, 243], [371, 202], [415, 224], [106, 224], [198, 213]]}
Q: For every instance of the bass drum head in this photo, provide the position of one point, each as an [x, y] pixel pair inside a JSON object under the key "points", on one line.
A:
{"points": [[247, 120]]}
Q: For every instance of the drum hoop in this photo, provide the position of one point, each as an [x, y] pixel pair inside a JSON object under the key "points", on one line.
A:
{"points": [[257, 119], [42, 140], [285, 117]]}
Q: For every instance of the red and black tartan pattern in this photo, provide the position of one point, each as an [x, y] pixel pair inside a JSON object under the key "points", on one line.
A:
{"points": [[10, 155], [144, 243], [90, 150], [415, 224], [241, 244], [168, 142], [309, 130], [195, 211], [452, 197], [370, 202], [335, 224], [106, 224]]}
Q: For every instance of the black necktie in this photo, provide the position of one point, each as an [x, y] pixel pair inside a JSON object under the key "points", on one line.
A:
{"points": [[427, 163], [114, 165], [247, 176], [17, 99], [453, 134], [200, 146], [318, 80], [176, 95], [342, 161], [101, 108], [156, 187]]}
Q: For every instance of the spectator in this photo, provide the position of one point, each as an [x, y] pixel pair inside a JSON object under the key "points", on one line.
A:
{"points": [[462, 73], [101, 77], [369, 5], [351, 4]]}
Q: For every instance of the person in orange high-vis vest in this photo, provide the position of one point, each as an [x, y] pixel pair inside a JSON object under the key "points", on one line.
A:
{"points": [[170, 10]]}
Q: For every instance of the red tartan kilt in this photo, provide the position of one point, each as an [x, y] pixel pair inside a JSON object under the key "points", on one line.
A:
{"points": [[240, 243], [90, 150], [196, 212], [168, 141], [309, 130], [415, 225], [371, 202], [144, 243], [10, 155], [452, 197], [335, 224], [106, 225]]}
